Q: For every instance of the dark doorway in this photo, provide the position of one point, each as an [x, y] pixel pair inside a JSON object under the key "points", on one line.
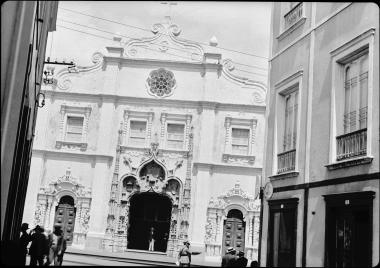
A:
{"points": [[234, 231], [349, 230], [65, 217], [282, 232], [149, 210]]}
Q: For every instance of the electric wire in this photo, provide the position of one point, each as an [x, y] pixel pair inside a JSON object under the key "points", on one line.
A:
{"points": [[147, 30], [97, 29]]}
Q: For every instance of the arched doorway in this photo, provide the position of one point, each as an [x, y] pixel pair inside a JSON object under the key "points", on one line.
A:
{"points": [[149, 210], [65, 217], [234, 231]]}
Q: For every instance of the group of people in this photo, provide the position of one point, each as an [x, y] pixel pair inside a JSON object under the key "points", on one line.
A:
{"points": [[50, 246], [231, 259]]}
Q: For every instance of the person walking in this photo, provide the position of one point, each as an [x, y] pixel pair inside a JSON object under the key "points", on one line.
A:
{"points": [[184, 255], [228, 260], [25, 238], [57, 246], [38, 248], [151, 239], [241, 261]]}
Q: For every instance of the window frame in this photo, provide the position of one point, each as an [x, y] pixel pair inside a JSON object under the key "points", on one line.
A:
{"points": [[285, 86], [181, 119], [139, 116], [249, 138], [130, 131], [178, 123], [340, 56], [74, 115]]}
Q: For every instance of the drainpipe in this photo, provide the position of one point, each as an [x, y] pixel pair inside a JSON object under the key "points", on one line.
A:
{"points": [[304, 231], [261, 223]]}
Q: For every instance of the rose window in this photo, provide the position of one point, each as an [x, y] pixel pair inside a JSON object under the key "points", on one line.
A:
{"points": [[161, 82]]}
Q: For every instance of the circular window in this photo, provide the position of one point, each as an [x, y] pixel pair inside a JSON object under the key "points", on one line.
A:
{"points": [[161, 82]]}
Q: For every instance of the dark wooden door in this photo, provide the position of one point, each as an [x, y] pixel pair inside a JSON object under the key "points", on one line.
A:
{"points": [[65, 217], [233, 234]]}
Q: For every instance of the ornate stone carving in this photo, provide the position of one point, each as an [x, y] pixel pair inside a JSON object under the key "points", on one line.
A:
{"points": [[161, 83], [235, 197]]}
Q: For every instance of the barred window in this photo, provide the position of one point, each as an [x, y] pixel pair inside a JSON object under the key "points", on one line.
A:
{"points": [[355, 94], [290, 129], [74, 128]]}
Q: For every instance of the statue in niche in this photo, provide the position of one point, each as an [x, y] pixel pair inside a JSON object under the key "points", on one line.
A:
{"points": [[152, 172]]}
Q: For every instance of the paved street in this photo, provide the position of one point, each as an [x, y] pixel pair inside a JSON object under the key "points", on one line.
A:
{"points": [[84, 260]]}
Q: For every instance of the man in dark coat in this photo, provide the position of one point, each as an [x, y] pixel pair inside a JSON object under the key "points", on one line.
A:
{"points": [[228, 260], [38, 248], [241, 261], [25, 238]]}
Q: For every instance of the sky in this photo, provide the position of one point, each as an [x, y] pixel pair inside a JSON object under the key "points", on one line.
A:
{"points": [[240, 26]]}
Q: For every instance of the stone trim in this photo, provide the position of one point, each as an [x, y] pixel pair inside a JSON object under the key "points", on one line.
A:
{"points": [[350, 163]]}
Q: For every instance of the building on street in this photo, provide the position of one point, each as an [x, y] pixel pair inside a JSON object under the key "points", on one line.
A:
{"points": [[24, 29], [159, 138], [322, 139]]}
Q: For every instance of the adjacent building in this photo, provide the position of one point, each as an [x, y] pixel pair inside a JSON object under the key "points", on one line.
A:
{"points": [[322, 141], [159, 133], [24, 29]]}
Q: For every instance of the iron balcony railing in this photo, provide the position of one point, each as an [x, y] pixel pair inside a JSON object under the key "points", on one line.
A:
{"points": [[286, 161], [293, 15], [352, 144]]}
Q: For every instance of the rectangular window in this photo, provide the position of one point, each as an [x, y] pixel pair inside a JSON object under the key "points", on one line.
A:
{"points": [[240, 141], [137, 133], [286, 160], [282, 233], [74, 128], [353, 141], [175, 136]]}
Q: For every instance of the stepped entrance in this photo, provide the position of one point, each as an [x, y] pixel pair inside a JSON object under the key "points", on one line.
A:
{"points": [[149, 210]]}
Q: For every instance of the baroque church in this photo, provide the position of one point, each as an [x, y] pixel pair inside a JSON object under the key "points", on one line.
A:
{"points": [[161, 134]]}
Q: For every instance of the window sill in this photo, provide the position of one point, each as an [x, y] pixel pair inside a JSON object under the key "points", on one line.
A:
{"points": [[291, 28], [363, 160], [71, 145], [285, 175], [239, 159]]}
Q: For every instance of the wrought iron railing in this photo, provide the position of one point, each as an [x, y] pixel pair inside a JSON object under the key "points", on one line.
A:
{"points": [[286, 161], [352, 144], [293, 15]]}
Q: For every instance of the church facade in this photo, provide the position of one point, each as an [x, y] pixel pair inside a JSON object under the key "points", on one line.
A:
{"points": [[160, 134]]}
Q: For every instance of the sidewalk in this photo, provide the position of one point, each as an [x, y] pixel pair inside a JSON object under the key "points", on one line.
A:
{"points": [[138, 256]]}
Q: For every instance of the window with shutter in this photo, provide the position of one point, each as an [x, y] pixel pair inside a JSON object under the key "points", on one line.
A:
{"points": [[74, 129], [175, 136], [137, 133], [240, 141]]}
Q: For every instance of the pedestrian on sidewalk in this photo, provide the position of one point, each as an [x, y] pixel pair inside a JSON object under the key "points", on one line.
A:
{"points": [[228, 260], [57, 247], [25, 238], [184, 255], [38, 248], [241, 261], [151, 239]]}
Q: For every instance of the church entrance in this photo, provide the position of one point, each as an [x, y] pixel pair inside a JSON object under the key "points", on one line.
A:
{"points": [[147, 211], [234, 231], [65, 217]]}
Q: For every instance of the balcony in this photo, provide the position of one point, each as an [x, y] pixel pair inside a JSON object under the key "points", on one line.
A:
{"points": [[294, 15], [286, 161], [352, 144]]}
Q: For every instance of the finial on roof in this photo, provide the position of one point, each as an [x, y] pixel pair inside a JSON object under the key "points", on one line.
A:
{"points": [[213, 41]]}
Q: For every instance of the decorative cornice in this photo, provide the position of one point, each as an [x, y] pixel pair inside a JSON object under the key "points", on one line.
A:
{"points": [[288, 79], [72, 154], [63, 76], [221, 165], [350, 162], [353, 42]]}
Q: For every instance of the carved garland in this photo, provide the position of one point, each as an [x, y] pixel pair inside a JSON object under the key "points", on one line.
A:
{"points": [[48, 198]]}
